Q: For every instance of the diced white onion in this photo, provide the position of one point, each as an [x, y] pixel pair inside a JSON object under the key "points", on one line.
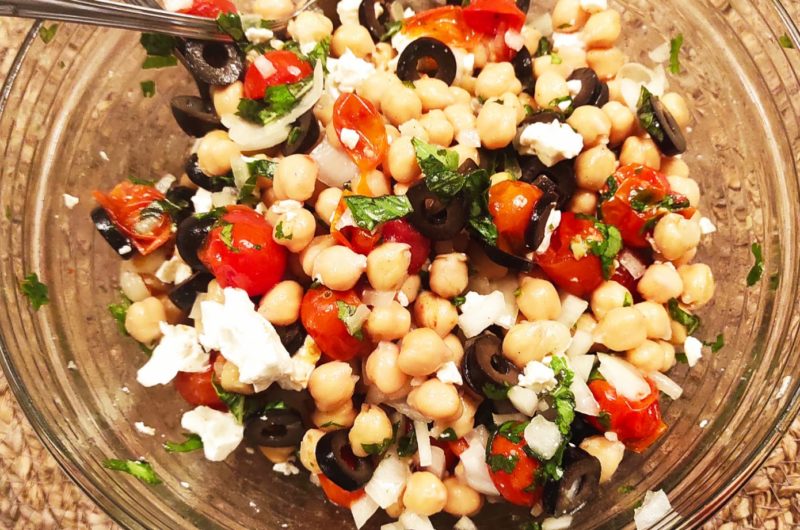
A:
{"points": [[572, 307], [557, 523], [400, 405], [585, 402], [654, 508], [362, 510], [388, 481], [264, 66], [335, 166], [378, 298], [666, 385], [500, 419], [523, 399], [413, 521], [581, 343], [423, 443], [465, 523], [632, 263], [582, 366], [514, 40], [476, 471], [437, 466], [623, 376]]}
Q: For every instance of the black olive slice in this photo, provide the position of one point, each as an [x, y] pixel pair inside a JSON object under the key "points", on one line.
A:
{"points": [[562, 174], [434, 218], [206, 182], [340, 465], [580, 430], [603, 96], [194, 116], [672, 142], [504, 258], [185, 293], [215, 63], [523, 68], [299, 402], [542, 116], [191, 236], [275, 428], [181, 196], [524, 5], [590, 87], [303, 135], [121, 243], [376, 25], [534, 233], [430, 56], [579, 484], [292, 336], [485, 364]]}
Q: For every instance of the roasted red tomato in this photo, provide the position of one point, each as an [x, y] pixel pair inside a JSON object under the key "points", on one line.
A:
{"points": [[513, 471], [401, 231], [125, 205], [637, 423], [568, 262], [319, 314], [287, 68], [359, 115], [355, 238], [639, 195], [240, 252], [445, 23], [197, 390], [209, 8], [511, 204], [337, 495], [494, 16]]}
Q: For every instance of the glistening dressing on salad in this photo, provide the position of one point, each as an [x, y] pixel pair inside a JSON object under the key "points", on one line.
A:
{"points": [[438, 259]]}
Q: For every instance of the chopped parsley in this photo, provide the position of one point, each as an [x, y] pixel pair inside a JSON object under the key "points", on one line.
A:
{"points": [[448, 435], [238, 404], [226, 236], [558, 104], [407, 445], [758, 267], [608, 248], [528, 110], [717, 344], [786, 42], [505, 463], [496, 391], [148, 88], [275, 405], [278, 101], [674, 54], [47, 34], [476, 186], [377, 448], [611, 189], [347, 314], [138, 468], [563, 401], [687, 320], [555, 58], [628, 300], [512, 430], [261, 167], [369, 212], [440, 167], [625, 489], [543, 48], [159, 50], [35, 291], [119, 311], [681, 358], [458, 301], [392, 30], [192, 443], [279, 232], [320, 53]]}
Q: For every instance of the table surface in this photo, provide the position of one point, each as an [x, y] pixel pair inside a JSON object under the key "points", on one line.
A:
{"points": [[35, 492]]}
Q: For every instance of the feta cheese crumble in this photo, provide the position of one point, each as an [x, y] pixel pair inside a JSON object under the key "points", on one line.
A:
{"points": [[346, 73], [348, 11], [178, 351], [165, 182], [693, 349], [655, 507], [574, 86], [202, 201], [538, 377], [144, 429], [514, 40], [551, 142], [706, 226], [264, 66], [349, 138], [72, 366], [543, 437], [220, 431], [178, 5], [174, 270], [553, 220], [302, 364], [70, 201], [258, 35], [524, 399], [449, 373], [568, 40], [286, 468]]}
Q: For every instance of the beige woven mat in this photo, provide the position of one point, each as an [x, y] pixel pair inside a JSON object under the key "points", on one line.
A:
{"points": [[35, 493]]}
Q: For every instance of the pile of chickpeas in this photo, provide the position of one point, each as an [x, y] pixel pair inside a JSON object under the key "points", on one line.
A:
{"points": [[416, 333]]}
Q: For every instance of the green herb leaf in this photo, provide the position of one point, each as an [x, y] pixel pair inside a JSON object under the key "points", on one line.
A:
{"points": [[758, 268], [687, 320], [320, 53], [164, 207], [369, 212], [674, 54], [346, 314], [275, 405], [551, 469], [47, 34], [262, 168], [138, 468], [476, 186], [392, 29], [34, 290], [786, 42], [604, 419], [628, 300], [141, 182], [611, 188], [543, 48], [377, 448], [512, 431], [192, 443], [555, 58], [681, 358], [458, 301], [608, 248], [563, 398], [440, 167], [279, 232], [625, 489], [157, 44], [148, 88], [226, 236], [505, 463], [407, 445], [717, 344], [278, 101], [231, 23], [647, 116], [159, 61], [528, 110], [119, 311], [557, 104], [237, 404], [496, 391], [448, 435]]}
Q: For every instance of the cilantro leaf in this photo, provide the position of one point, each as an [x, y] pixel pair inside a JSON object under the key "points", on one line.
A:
{"points": [[279, 232], [47, 34], [347, 314], [192, 443], [377, 448], [512, 430], [786, 42], [496, 391], [407, 445], [758, 267], [543, 48], [687, 320], [608, 248], [148, 88], [119, 311], [674, 54], [717, 344], [440, 167], [138, 468], [368, 212], [35, 291], [563, 398], [505, 463]]}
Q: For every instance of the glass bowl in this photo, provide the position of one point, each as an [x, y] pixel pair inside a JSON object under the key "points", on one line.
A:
{"points": [[73, 119]]}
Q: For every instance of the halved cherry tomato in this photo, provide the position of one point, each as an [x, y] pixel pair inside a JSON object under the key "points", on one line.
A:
{"points": [[445, 23], [635, 206], [124, 205], [518, 486], [355, 113], [577, 275], [196, 389], [209, 8], [240, 252], [289, 68], [338, 496], [319, 314], [355, 238], [511, 204], [492, 17], [637, 423], [458, 446], [401, 231]]}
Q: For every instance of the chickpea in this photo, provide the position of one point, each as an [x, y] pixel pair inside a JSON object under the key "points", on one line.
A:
{"points": [[513, 103], [133, 286], [332, 385], [295, 177], [497, 125], [433, 93], [621, 329], [308, 450], [371, 426], [622, 122], [228, 376], [310, 26], [495, 80], [607, 452], [338, 267], [531, 36], [583, 202], [383, 370], [353, 37], [414, 129], [378, 183], [273, 9], [594, 166], [382, 55], [679, 333], [143, 318], [532, 341], [425, 494], [568, 16], [461, 117], [395, 510], [647, 357], [387, 266], [538, 299], [281, 305], [341, 418], [401, 104], [326, 204], [602, 29], [659, 283], [674, 235], [295, 229], [435, 312], [466, 152], [656, 318], [402, 161], [323, 109], [422, 352], [309, 254], [674, 167], [461, 499], [548, 64], [586, 322], [608, 296], [669, 355], [440, 130], [460, 95], [375, 86], [676, 106], [685, 186], [698, 284], [436, 400], [226, 98], [449, 274], [214, 153], [592, 124], [453, 343], [277, 455], [409, 290], [642, 151], [389, 322], [549, 88]]}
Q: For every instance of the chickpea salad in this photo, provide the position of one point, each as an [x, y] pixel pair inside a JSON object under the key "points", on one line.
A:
{"points": [[438, 259]]}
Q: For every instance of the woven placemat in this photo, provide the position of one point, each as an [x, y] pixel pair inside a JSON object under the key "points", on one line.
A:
{"points": [[35, 492]]}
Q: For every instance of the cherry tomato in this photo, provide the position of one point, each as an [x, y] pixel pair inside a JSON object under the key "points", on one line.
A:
{"points": [[445, 23], [360, 115], [319, 314], [492, 17], [637, 423], [289, 68], [338, 496], [577, 275], [124, 205], [209, 8], [519, 485], [401, 231], [511, 204], [458, 446], [240, 252], [196, 389]]}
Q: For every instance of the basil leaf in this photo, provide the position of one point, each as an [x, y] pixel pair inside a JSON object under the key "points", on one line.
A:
{"points": [[674, 54], [193, 442], [476, 186], [231, 23], [687, 320], [505, 463], [35, 291], [157, 43], [138, 468], [278, 101], [758, 267], [320, 53], [647, 116], [369, 212], [48, 34], [440, 167]]}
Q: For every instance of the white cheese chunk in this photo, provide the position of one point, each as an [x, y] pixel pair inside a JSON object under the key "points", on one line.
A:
{"points": [[264, 67], [478, 312], [538, 377], [557, 523], [388, 481], [286, 468], [349, 137], [202, 201], [346, 73], [220, 432], [594, 6], [574, 86], [144, 429], [513, 40], [693, 349], [553, 220], [543, 437], [178, 351], [706, 226], [302, 364], [226, 197], [551, 142], [164, 183], [655, 507], [174, 270], [258, 35], [70, 201], [568, 40], [348, 11], [449, 373]]}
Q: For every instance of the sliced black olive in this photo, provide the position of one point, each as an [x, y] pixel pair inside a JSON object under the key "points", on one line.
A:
{"points": [[542, 116], [181, 196], [340, 465], [185, 293], [434, 218], [121, 243], [504, 258], [206, 182], [194, 116], [374, 23], [604, 95], [292, 336], [275, 428], [430, 56], [591, 88], [191, 235], [523, 68], [484, 364], [524, 5], [672, 141], [580, 430], [299, 402], [303, 135], [579, 484], [562, 174], [534, 233], [215, 63]]}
